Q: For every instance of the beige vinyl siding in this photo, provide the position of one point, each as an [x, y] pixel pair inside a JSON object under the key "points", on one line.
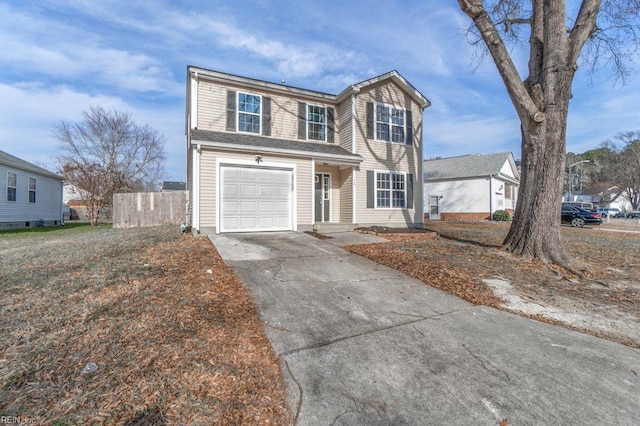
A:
{"points": [[208, 161], [212, 106], [208, 188], [346, 196], [346, 131], [387, 156], [212, 109]]}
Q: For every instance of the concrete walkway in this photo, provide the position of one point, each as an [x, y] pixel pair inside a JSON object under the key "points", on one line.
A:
{"points": [[362, 344]]}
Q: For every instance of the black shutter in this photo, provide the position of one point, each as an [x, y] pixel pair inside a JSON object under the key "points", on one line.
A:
{"points": [[371, 189], [302, 120], [266, 116], [409, 128], [331, 125], [409, 191], [369, 120], [231, 110]]}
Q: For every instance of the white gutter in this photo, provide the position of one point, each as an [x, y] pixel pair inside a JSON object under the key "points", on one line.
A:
{"points": [[346, 160]]}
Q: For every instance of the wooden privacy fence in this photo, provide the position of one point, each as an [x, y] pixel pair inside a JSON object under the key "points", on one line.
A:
{"points": [[149, 209]]}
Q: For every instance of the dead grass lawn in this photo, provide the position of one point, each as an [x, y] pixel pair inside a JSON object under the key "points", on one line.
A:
{"points": [[467, 254], [174, 334]]}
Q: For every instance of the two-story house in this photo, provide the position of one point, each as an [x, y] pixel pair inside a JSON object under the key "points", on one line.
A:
{"points": [[263, 156]]}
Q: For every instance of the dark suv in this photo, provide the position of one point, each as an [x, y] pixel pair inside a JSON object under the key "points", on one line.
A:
{"points": [[578, 217]]}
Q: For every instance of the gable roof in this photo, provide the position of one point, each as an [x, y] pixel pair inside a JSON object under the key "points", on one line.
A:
{"points": [[396, 78], [18, 163], [306, 93], [468, 166]]}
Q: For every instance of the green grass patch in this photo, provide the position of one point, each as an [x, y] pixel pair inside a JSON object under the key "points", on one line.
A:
{"points": [[81, 226]]}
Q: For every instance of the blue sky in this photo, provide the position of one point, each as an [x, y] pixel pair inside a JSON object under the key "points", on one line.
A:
{"points": [[60, 57]]}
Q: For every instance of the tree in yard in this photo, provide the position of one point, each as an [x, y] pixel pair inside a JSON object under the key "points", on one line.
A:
{"points": [[602, 31], [107, 153], [626, 174]]}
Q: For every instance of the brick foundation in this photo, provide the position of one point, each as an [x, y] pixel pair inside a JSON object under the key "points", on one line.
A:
{"points": [[462, 216]]}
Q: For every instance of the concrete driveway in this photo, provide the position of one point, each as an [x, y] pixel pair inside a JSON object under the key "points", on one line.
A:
{"points": [[362, 344]]}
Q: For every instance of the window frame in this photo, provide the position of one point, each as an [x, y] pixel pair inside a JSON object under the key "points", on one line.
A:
{"points": [[391, 191], [239, 113], [392, 111], [32, 191], [15, 188], [324, 125]]}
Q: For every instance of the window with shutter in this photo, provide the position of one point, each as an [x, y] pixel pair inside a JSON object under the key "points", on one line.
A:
{"points": [[390, 124], [391, 190], [249, 118], [316, 123]]}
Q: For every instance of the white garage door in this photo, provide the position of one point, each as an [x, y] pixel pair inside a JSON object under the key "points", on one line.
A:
{"points": [[255, 199]]}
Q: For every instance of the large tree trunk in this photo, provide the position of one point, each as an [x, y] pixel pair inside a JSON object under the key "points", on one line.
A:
{"points": [[535, 231], [542, 104]]}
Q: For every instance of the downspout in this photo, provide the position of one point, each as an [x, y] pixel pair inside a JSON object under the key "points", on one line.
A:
{"points": [[353, 151], [61, 204], [196, 188], [490, 197]]}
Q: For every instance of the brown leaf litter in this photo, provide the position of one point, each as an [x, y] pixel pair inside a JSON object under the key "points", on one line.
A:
{"points": [[174, 334]]}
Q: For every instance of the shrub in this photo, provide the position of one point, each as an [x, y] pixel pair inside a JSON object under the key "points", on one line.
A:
{"points": [[501, 216]]}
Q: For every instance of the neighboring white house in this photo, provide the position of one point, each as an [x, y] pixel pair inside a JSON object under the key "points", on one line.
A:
{"points": [[607, 197], [470, 187], [29, 195]]}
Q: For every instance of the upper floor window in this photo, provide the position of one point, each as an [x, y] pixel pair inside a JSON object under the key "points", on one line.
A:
{"points": [[32, 190], [248, 113], [12, 186], [316, 123], [390, 124], [390, 190]]}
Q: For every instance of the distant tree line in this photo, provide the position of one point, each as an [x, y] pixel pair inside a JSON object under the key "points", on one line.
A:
{"points": [[615, 163]]}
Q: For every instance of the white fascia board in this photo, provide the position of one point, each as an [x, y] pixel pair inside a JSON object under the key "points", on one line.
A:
{"points": [[333, 158]]}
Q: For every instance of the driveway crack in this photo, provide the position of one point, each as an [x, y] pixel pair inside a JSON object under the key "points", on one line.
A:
{"points": [[365, 333], [487, 365], [300, 393]]}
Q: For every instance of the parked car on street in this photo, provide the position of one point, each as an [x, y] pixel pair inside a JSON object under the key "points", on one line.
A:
{"points": [[627, 215], [578, 217]]}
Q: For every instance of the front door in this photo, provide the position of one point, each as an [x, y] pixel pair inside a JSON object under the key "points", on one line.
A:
{"points": [[322, 197], [434, 207]]}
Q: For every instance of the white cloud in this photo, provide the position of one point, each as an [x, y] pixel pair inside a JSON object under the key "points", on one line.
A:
{"points": [[29, 111], [453, 135]]}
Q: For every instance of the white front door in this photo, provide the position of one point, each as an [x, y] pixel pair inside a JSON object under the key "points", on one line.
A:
{"points": [[255, 199], [434, 207]]}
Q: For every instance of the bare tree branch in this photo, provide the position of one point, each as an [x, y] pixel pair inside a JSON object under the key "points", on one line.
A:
{"points": [[107, 153], [525, 107]]}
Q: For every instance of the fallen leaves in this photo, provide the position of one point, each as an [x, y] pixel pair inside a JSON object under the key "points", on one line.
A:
{"points": [[171, 343], [468, 252]]}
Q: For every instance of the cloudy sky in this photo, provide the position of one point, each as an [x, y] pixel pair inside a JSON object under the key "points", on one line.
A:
{"points": [[59, 57]]}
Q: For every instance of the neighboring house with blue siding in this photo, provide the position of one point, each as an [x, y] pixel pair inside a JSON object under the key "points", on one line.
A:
{"points": [[29, 195]]}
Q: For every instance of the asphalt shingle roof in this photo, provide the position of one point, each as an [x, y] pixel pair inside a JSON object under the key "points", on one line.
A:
{"points": [[18, 163], [168, 185], [465, 166], [273, 143]]}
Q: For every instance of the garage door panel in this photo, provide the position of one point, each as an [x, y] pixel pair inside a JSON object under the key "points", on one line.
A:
{"points": [[255, 199]]}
